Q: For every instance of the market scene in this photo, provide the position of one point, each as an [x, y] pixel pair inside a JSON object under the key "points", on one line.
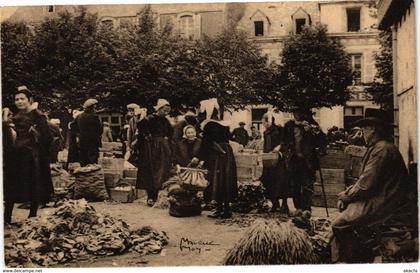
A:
{"points": [[206, 134]]}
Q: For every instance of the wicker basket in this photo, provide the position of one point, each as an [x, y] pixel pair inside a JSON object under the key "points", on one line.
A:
{"points": [[270, 160], [123, 196]]}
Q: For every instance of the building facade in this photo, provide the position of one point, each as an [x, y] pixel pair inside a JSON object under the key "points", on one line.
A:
{"points": [[353, 22], [400, 17]]}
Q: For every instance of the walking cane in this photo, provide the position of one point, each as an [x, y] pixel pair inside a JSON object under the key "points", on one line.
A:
{"points": [[323, 191], [321, 178]]}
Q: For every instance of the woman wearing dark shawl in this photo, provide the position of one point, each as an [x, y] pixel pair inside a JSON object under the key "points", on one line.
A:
{"points": [[32, 183]]}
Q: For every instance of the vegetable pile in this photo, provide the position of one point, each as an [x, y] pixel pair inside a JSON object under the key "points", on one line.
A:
{"points": [[75, 231], [251, 199], [271, 242]]}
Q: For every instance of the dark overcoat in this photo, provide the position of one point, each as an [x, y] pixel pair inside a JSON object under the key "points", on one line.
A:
{"points": [[154, 145], [32, 182], [275, 179], [185, 150], [220, 162]]}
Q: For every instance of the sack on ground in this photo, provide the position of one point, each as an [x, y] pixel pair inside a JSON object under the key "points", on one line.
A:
{"points": [[90, 183]]}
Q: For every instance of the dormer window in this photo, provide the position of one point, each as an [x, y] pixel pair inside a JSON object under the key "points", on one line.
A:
{"points": [[300, 24], [260, 22], [259, 28], [300, 19]]}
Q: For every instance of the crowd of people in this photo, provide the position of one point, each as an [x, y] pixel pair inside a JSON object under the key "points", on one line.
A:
{"points": [[155, 146]]}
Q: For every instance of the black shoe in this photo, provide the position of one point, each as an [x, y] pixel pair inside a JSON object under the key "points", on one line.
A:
{"points": [[276, 205], [217, 213]]}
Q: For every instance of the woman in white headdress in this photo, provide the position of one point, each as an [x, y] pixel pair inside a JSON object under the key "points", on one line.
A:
{"points": [[154, 135]]}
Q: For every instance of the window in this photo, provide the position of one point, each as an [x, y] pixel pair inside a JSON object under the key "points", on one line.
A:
{"points": [[356, 66], [186, 27], [125, 22], [351, 115], [300, 24], [256, 115], [353, 20], [50, 8], [259, 28]]}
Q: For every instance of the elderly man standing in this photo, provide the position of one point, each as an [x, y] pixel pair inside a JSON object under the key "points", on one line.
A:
{"points": [[89, 129], [377, 200]]}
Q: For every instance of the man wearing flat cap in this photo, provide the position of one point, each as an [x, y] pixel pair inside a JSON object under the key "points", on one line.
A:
{"points": [[89, 129], [377, 200], [132, 123], [240, 134]]}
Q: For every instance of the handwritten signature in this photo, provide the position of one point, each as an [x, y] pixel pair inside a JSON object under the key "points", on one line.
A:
{"points": [[186, 244]]}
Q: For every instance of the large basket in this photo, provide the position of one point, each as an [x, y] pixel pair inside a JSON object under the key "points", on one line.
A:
{"points": [[190, 184], [270, 160], [123, 196]]}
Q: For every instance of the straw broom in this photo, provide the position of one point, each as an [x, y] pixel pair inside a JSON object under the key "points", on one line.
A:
{"points": [[270, 242]]}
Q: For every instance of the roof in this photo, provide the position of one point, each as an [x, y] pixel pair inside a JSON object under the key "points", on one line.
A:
{"points": [[391, 11]]}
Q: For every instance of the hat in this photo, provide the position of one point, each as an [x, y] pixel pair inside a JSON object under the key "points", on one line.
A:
{"points": [[161, 103], [225, 123], [241, 123], [374, 117], [142, 112], [55, 121], [23, 89], [184, 135], [132, 106], [371, 122], [89, 102], [105, 123], [76, 113]]}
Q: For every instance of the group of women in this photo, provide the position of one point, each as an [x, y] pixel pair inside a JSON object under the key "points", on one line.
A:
{"points": [[159, 152]]}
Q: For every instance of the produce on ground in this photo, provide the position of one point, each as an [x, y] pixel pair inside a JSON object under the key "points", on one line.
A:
{"points": [[75, 231], [251, 199], [271, 242]]}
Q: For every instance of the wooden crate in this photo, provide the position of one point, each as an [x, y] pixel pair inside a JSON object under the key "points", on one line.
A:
{"points": [[330, 189], [247, 160], [112, 163], [130, 180], [318, 201], [356, 151], [246, 174], [130, 173], [336, 160], [332, 176], [111, 179]]}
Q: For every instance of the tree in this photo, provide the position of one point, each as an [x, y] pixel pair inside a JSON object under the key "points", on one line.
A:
{"points": [[382, 87], [70, 63], [16, 58], [314, 72], [232, 69]]}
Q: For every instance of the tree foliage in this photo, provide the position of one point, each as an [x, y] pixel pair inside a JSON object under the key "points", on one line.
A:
{"points": [[314, 72], [16, 58], [382, 87]]}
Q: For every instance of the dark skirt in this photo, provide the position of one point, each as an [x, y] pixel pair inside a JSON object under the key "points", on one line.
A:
{"points": [[32, 182], [275, 181], [222, 175], [154, 163]]}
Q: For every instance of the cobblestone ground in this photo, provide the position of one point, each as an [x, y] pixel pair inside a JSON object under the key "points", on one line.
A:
{"points": [[200, 228]]}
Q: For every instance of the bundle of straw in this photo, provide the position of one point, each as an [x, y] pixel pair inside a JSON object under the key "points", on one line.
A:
{"points": [[271, 242]]}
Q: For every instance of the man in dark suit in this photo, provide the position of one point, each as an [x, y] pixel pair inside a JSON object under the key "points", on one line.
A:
{"points": [[240, 135], [89, 129]]}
